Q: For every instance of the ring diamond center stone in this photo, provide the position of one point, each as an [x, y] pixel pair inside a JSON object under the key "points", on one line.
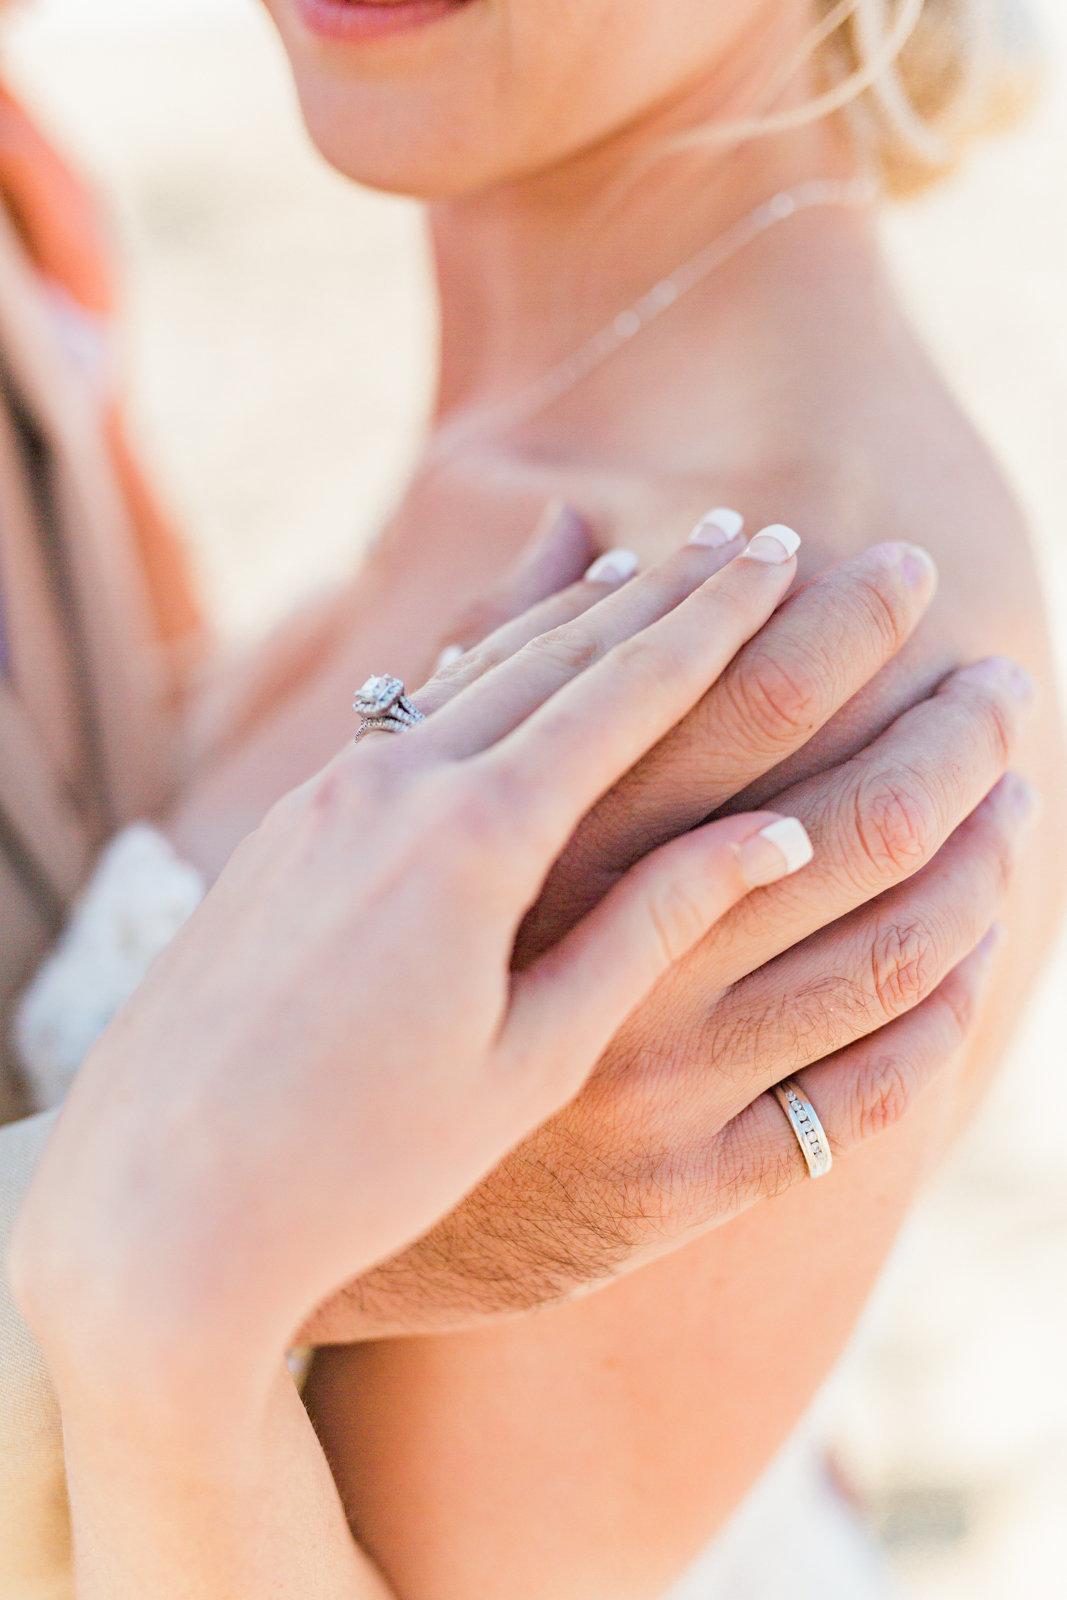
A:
{"points": [[378, 695]]}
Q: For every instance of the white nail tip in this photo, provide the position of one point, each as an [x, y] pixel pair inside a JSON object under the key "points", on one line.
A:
{"points": [[717, 527], [449, 654], [774, 544], [788, 537], [614, 566], [790, 837]]}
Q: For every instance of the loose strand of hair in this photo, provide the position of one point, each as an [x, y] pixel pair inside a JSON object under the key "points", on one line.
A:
{"points": [[834, 99], [889, 98]]}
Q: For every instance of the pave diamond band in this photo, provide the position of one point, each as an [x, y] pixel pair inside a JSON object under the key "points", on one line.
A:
{"points": [[811, 1135], [383, 706]]}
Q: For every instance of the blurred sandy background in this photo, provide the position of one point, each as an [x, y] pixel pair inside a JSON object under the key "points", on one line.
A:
{"points": [[281, 331]]}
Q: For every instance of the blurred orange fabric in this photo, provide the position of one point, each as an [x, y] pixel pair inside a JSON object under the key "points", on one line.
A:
{"points": [[63, 231]]}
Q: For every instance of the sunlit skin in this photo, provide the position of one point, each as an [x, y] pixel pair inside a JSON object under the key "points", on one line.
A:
{"points": [[593, 1449]]}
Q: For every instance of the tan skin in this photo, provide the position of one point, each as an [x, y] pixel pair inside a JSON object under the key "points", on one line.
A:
{"points": [[592, 1449]]}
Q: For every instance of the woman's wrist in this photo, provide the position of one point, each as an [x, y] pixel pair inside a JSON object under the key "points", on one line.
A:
{"points": [[128, 1343], [128, 1398], [232, 1501]]}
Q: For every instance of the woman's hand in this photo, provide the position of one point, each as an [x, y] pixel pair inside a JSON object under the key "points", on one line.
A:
{"points": [[265, 724], [336, 1048], [877, 997]]}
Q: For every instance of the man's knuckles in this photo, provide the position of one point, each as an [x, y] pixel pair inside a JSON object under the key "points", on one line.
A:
{"points": [[892, 811], [820, 649], [882, 1089], [864, 1094], [886, 964], [952, 1010], [993, 697], [872, 1086], [893, 821], [875, 607], [907, 958], [771, 701], [992, 835]]}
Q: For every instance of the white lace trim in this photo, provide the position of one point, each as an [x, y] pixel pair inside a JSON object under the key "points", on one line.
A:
{"points": [[138, 897]]}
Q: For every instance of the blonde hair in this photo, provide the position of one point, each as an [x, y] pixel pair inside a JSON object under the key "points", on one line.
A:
{"points": [[924, 78], [918, 79]]}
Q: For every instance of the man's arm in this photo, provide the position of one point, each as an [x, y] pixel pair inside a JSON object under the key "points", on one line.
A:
{"points": [[592, 1449]]}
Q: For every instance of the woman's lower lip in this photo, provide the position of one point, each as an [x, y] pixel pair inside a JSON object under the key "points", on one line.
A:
{"points": [[351, 20]]}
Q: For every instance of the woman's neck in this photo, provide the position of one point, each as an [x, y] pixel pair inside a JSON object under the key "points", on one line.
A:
{"points": [[531, 268]]}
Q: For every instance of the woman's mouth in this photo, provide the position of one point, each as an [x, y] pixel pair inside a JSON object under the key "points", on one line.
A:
{"points": [[352, 20]]}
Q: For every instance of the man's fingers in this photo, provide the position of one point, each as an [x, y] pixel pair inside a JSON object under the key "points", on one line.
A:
{"points": [[881, 816], [859, 1092], [815, 655], [596, 976], [876, 964], [569, 751]]}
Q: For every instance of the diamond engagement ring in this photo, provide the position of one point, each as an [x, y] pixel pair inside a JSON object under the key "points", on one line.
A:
{"points": [[811, 1135], [383, 704]]}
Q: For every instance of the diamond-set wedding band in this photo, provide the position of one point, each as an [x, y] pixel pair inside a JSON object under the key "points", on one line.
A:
{"points": [[384, 707], [811, 1135]]}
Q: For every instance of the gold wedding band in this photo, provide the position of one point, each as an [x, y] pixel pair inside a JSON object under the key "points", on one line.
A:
{"points": [[811, 1135]]}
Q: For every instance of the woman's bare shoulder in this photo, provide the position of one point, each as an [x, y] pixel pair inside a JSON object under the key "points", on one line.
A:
{"points": [[906, 462]]}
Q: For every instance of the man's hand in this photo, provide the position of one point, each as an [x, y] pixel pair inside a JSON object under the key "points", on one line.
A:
{"points": [[860, 977]]}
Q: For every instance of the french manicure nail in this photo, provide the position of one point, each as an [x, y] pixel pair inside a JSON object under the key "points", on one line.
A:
{"points": [[450, 653], [774, 852], [774, 545], [614, 566], [718, 528]]}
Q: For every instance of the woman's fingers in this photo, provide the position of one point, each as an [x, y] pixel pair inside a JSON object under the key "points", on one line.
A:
{"points": [[878, 963], [718, 530], [559, 550], [568, 1004], [819, 650], [455, 673], [859, 1092], [573, 747], [498, 701]]}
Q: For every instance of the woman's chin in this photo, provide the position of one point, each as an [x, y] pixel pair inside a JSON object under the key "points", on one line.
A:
{"points": [[419, 171], [390, 99], [429, 146]]}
